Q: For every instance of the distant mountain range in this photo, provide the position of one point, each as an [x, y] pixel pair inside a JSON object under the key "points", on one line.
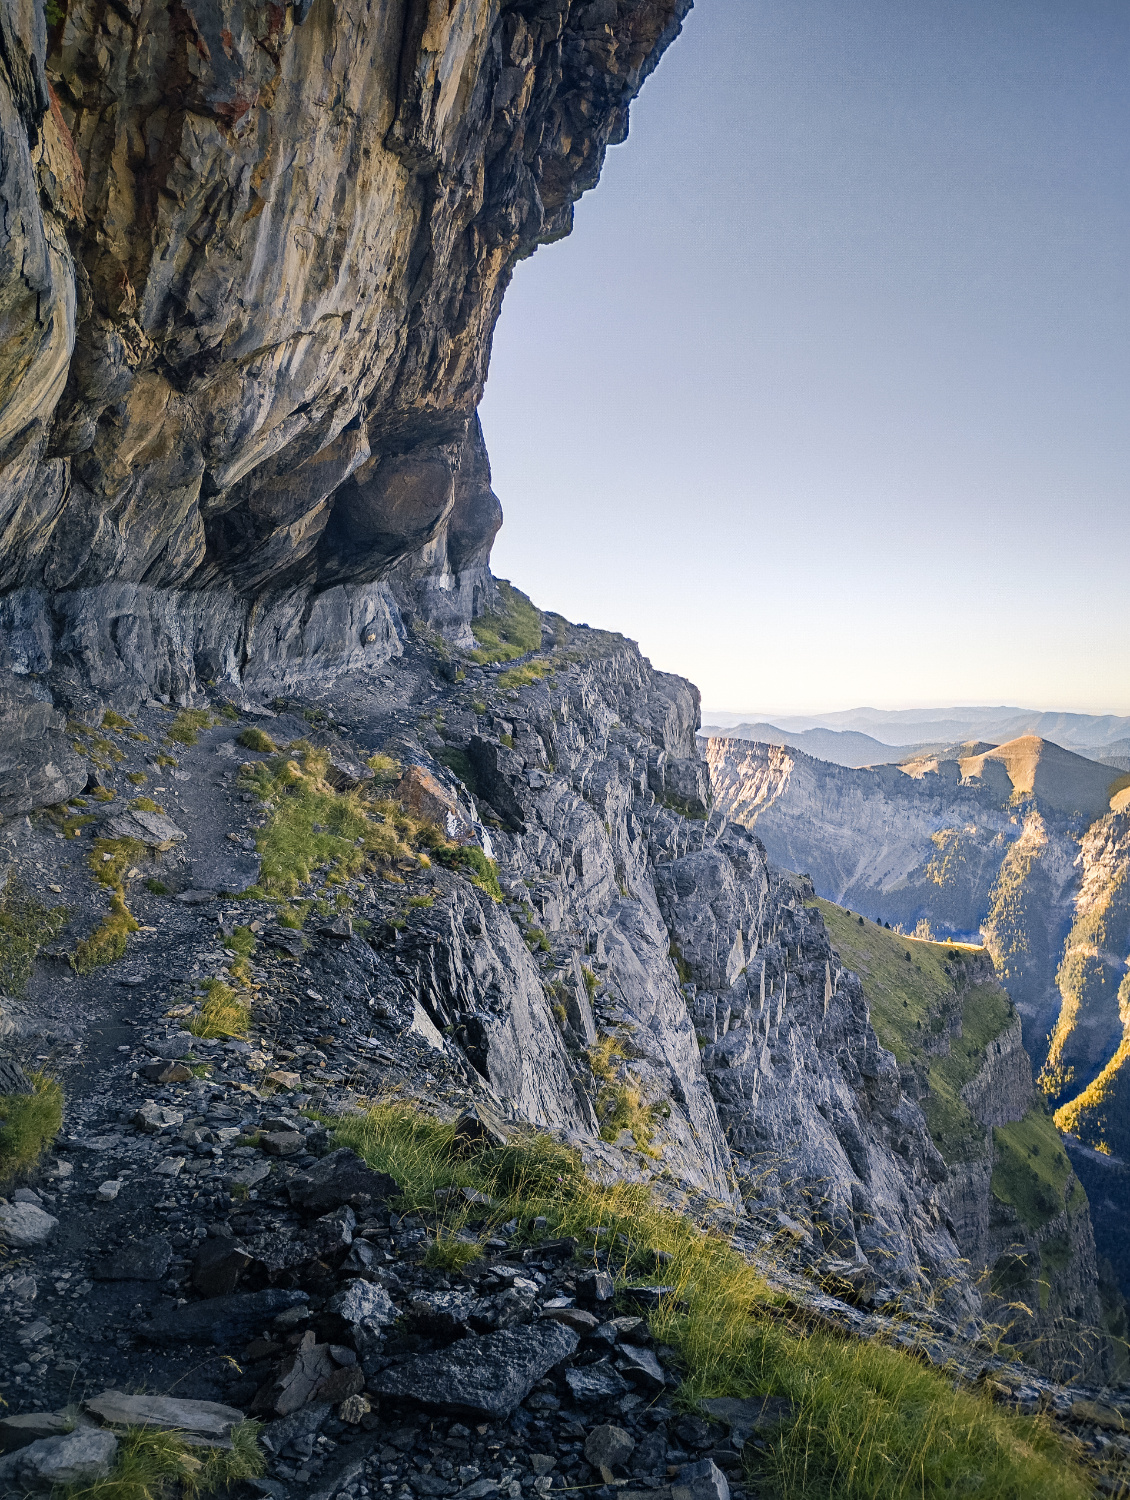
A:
{"points": [[920, 727], [1025, 845]]}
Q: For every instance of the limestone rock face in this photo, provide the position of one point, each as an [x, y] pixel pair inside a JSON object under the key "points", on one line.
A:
{"points": [[250, 263]]}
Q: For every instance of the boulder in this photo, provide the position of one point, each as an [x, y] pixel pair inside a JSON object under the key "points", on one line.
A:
{"points": [[298, 1379], [475, 1131], [283, 1143], [208, 1418], [143, 1260], [79, 1457], [157, 1119], [150, 828], [574, 1317], [332, 1232], [13, 1079], [747, 1417], [597, 1382], [641, 1366], [609, 1447], [483, 1375], [703, 1480], [340, 1178], [594, 1287], [362, 1304], [30, 1427], [293, 1437], [23, 1226], [220, 1320], [218, 1266]]}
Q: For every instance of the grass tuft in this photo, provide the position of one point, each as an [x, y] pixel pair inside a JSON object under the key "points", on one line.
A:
{"points": [[871, 1422], [524, 676], [28, 1125], [223, 1013], [256, 739], [511, 631], [155, 1465], [25, 925], [185, 728], [107, 942], [446, 1253]]}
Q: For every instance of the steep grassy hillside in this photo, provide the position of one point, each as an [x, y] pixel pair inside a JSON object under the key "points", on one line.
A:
{"points": [[933, 1007]]}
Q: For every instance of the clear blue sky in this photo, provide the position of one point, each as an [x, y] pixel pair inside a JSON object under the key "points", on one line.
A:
{"points": [[826, 401]]}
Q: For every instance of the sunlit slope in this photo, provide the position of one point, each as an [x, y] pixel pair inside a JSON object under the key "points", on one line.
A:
{"points": [[1088, 1067], [1058, 779], [917, 992]]}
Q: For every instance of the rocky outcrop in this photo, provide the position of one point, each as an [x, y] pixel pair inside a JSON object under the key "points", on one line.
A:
{"points": [[251, 260]]}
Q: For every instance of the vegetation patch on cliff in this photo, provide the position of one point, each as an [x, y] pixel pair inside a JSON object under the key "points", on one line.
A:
{"points": [[510, 631], [870, 1422], [1101, 1113], [911, 1006], [1031, 1171]]}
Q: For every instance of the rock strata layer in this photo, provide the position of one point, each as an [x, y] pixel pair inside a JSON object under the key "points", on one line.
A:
{"points": [[251, 261]]}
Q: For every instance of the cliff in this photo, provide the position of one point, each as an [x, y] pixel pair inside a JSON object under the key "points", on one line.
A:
{"points": [[1013, 1202], [251, 260], [1023, 847]]}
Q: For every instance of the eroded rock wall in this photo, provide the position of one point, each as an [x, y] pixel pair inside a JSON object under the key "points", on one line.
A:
{"points": [[251, 257]]}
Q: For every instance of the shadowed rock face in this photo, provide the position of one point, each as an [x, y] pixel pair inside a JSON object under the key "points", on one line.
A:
{"points": [[252, 258]]}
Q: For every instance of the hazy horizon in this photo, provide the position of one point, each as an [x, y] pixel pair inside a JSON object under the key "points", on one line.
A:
{"points": [[824, 400]]}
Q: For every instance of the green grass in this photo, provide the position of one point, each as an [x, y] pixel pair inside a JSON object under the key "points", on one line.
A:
{"points": [[30, 1122], [1100, 1115], [25, 926], [256, 739], [481, 871], [223, 1014], [155, 1465], [446, 1253], [457, 760], [524, 676], [313, 826], [185, 728], [1089, 978], [112, 720], [908, 1002], [1031, 1170], [871, 1422], [94, 746], [107, 943], [511, 631], [108, 940]]}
